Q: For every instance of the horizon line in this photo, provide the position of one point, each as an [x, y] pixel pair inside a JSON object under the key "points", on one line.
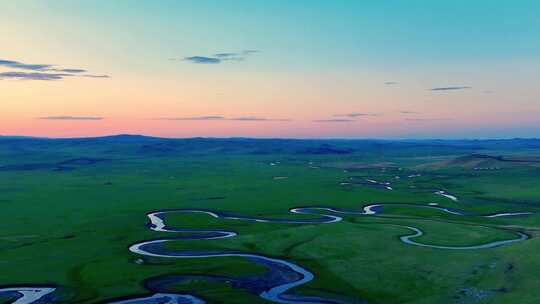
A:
{"points": [[272, 138]]}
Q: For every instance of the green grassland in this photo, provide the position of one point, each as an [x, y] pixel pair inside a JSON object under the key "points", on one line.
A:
{"points": [[71, 208]]}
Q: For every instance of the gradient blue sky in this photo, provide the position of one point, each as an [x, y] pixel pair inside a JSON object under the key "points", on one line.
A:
{"points": [[317, 63]]}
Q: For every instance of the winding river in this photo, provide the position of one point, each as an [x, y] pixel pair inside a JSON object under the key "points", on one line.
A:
{"points": [[407, 239], [445, 194], [277, 292], [281, 276], [27, 295]]}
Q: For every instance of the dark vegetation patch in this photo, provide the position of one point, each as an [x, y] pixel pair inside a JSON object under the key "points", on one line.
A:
{"points": [[82, 161], [10, 190], [25, 245], [478, 158], [67, 165], [210, 198], [159, 148], [75, 276], [486, 162], [326, 149], [287, 251], [509, 268], [28, 167]]}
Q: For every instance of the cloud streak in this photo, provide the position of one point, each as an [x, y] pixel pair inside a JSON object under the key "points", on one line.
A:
{"points": [[194, 118], [71, 118], [219, 117], [338, 120], [40, 71], [355, 115], [24, 66], [452, 88], [74, 71], [33, 75], [255, 118], [96, 76], [203, 60], [218, 58], [427, 119]]}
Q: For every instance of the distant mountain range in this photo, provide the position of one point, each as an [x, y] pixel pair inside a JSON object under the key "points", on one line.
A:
{"points": [[140, 145]]}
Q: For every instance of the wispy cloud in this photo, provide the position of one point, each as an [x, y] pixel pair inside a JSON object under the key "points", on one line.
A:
{"points": [[334, 120], [40, 71], [33, 75], [228, 56], [255, 118], [390, 83], [408, 112], [453, 88], [203, 60], [71, 118], [355, 114], [427, 119], [24, 66], [96, 76], [74, 71], [218, 58], [250, 52], [8, 62], [219, 117], [194, 118]]}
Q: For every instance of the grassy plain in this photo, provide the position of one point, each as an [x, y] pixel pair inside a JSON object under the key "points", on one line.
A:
{"points": [[71, 208]]}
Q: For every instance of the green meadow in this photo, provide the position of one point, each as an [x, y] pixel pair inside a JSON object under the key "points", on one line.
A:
{"points": [[71, 208]]}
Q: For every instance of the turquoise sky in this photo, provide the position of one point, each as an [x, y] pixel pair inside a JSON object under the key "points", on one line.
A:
{"points": [[316, 61]]}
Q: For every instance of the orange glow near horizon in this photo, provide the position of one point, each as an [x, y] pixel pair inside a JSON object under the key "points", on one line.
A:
{"points": [[380, 82]]}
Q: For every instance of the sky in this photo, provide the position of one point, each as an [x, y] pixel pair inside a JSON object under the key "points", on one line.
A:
{"points": [[294, 69]]}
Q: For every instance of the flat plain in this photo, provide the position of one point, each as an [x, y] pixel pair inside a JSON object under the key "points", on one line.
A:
{"points": [[73, 208]]}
